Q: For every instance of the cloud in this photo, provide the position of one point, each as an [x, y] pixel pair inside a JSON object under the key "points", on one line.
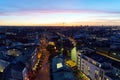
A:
{"points": [[54, 11]]}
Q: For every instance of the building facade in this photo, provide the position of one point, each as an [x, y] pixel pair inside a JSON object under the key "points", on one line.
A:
{"points": [[96, 67]]}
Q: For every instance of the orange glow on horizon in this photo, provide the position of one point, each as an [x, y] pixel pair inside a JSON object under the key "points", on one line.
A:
{"points": [[84, 23]]}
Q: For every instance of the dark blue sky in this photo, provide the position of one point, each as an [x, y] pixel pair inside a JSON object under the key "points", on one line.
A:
{"points": [[17, 12]]}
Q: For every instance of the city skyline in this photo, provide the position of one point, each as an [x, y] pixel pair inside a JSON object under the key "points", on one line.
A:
{"points": [[59, 12]]}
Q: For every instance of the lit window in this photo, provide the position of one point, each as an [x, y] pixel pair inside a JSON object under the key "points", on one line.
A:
{"points": [[96, 72], [99, 65], [88, 68], [94, 62]]}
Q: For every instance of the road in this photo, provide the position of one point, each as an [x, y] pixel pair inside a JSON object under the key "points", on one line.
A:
{"points": [[103, 54], [44, 73], [71, 39], [74, 43]]}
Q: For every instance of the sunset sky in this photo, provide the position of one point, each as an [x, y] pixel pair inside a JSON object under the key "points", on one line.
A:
{"points": [[59, 12]]}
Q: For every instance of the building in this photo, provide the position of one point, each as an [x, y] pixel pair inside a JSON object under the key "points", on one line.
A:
{"points": [[16, 63], [97, 67], [74, 54], [12, 72], [5, 60], [59, 71]]}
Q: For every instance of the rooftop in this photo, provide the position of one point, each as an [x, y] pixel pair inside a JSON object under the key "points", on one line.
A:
{"points": [[18, 64], [61, 73], [113, 76], [101, 59]]}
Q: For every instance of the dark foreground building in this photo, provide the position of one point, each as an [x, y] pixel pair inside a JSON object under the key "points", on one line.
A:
{"points": [[59, 71]]}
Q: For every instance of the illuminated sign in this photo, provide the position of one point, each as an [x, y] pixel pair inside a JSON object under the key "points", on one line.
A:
{"points": [[59, 65]]}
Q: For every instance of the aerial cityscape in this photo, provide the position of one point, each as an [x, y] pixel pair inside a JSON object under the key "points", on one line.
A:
{"points": [[59, 40]]}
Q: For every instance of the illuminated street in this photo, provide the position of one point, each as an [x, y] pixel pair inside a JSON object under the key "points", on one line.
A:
{"points": [[108, 56], [44, 73], [59, 39]]}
